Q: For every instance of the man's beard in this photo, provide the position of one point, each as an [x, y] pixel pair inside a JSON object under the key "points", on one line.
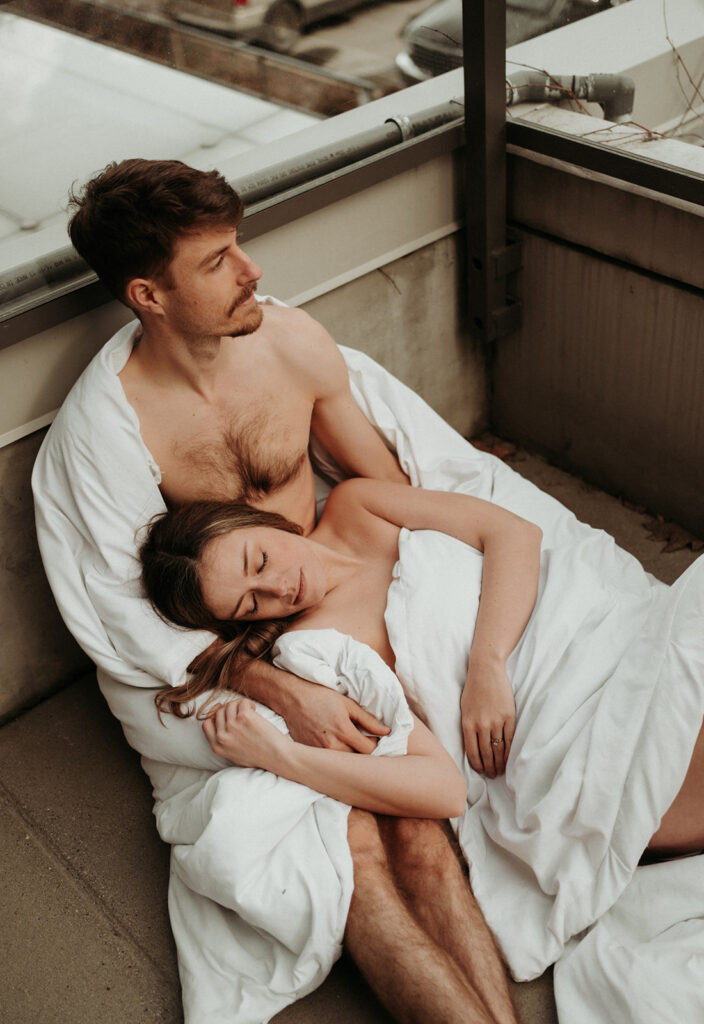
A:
{"points": [[252, 324]]}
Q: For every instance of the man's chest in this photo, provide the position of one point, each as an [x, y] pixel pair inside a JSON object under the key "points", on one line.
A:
{"points": [[241, 449]]}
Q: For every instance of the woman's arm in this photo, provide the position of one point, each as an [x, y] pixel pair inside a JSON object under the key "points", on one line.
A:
{"points": [[424, 783], [511, 548]]}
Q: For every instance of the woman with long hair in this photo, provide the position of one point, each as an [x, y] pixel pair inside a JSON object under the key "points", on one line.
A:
{"points": [[248, 575]]}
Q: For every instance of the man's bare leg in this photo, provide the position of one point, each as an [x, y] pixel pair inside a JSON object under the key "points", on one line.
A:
{"points": [[682, 827], [429, 873], [412, 976]]}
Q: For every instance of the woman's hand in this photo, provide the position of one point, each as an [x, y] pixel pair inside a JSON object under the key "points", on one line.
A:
{"points": [[488, 714], [235, 730]]}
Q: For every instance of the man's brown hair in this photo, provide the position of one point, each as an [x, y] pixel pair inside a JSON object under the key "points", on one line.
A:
{"points": [[126, 221]]}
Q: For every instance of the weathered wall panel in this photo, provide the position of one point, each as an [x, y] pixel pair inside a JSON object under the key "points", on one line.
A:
{"points": [[606, 376]]}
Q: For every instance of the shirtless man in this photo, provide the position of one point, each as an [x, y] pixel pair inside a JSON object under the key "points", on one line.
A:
{"points": [[227, 391]]}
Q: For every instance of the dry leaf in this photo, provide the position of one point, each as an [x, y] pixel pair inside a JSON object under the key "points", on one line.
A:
{"points": [[495, 446], [675, 537]]}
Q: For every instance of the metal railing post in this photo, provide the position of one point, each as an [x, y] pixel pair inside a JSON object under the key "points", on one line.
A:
{"points": [[490, 257]]}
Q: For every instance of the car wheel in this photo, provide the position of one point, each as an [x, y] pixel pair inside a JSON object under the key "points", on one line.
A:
{"points": [[283, 25]]}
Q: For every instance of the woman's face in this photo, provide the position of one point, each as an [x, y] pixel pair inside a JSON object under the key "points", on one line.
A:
{"points": [[260, 572]]}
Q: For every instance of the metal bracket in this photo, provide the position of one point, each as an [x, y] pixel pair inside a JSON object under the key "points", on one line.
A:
{"points": [[506, 320], [404, 125], [508, 259], [503, 315]]}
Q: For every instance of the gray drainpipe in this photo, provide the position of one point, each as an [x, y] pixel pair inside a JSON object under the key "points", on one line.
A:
{"points": [[318, 162], [614, 93]]}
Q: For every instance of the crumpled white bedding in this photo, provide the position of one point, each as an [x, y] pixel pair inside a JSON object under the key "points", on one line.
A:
{"points": [[644, 959], [270, 856], [601, 675], [256, 924]]}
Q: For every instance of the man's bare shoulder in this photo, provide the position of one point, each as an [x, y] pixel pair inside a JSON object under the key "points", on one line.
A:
{"points": [[293, 329], [302, 344]]}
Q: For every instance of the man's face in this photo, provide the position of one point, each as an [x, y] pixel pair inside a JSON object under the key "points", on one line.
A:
{"points": [[210, 287]]}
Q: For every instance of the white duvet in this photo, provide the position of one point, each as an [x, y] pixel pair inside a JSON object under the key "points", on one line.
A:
{"points": [[608, 677], [609, 686]]}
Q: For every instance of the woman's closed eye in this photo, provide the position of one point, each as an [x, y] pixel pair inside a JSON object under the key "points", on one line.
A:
{"points": [[255, 607]]}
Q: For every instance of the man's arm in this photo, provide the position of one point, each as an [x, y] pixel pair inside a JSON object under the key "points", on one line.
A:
{"points": [[338, 422], [315, 714]]}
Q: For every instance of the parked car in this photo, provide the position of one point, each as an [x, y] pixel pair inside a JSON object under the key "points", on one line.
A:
{"points": [[273, 23], [433, 38]]}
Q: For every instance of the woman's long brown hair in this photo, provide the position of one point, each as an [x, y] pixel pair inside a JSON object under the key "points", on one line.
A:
{"points": [[171, 557]]}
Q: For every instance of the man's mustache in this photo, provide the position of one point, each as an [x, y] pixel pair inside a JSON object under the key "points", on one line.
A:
{"points": [[243, 298]]}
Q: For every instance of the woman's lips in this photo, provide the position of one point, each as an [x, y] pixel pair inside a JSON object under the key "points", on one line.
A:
{"points": [[301, 589]]}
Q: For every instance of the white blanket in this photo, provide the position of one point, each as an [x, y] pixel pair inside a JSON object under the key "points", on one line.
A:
{"points": [[260, 868], [600, 675]]}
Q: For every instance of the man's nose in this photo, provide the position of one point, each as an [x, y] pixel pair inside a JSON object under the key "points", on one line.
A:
{"points": [[248, 271]]}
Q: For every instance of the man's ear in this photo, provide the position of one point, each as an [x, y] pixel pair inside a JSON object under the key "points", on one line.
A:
{"points": [[144, 295]]}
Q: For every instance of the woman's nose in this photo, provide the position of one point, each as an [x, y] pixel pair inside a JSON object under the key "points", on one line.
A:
{"points": [[277, 586]]}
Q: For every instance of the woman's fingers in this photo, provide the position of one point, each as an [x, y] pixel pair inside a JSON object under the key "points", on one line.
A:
{"points": [[488, 718], [223, 718], [235, 730], [488, 747], [498, 750], [471, 745], [209, 730]]}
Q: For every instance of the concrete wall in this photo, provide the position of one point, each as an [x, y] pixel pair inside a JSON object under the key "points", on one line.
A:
{"points": [[406, 315]]}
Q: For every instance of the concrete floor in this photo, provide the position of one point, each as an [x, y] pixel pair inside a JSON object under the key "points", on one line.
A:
{"points": [[83, 875]]}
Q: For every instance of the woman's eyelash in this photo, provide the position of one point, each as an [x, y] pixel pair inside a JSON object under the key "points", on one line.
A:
{"points": [[265, 559]]}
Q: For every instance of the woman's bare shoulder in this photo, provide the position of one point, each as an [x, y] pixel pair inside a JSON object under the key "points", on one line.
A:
{"points": [[364, 493], [348, 502], [349, 518]]}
